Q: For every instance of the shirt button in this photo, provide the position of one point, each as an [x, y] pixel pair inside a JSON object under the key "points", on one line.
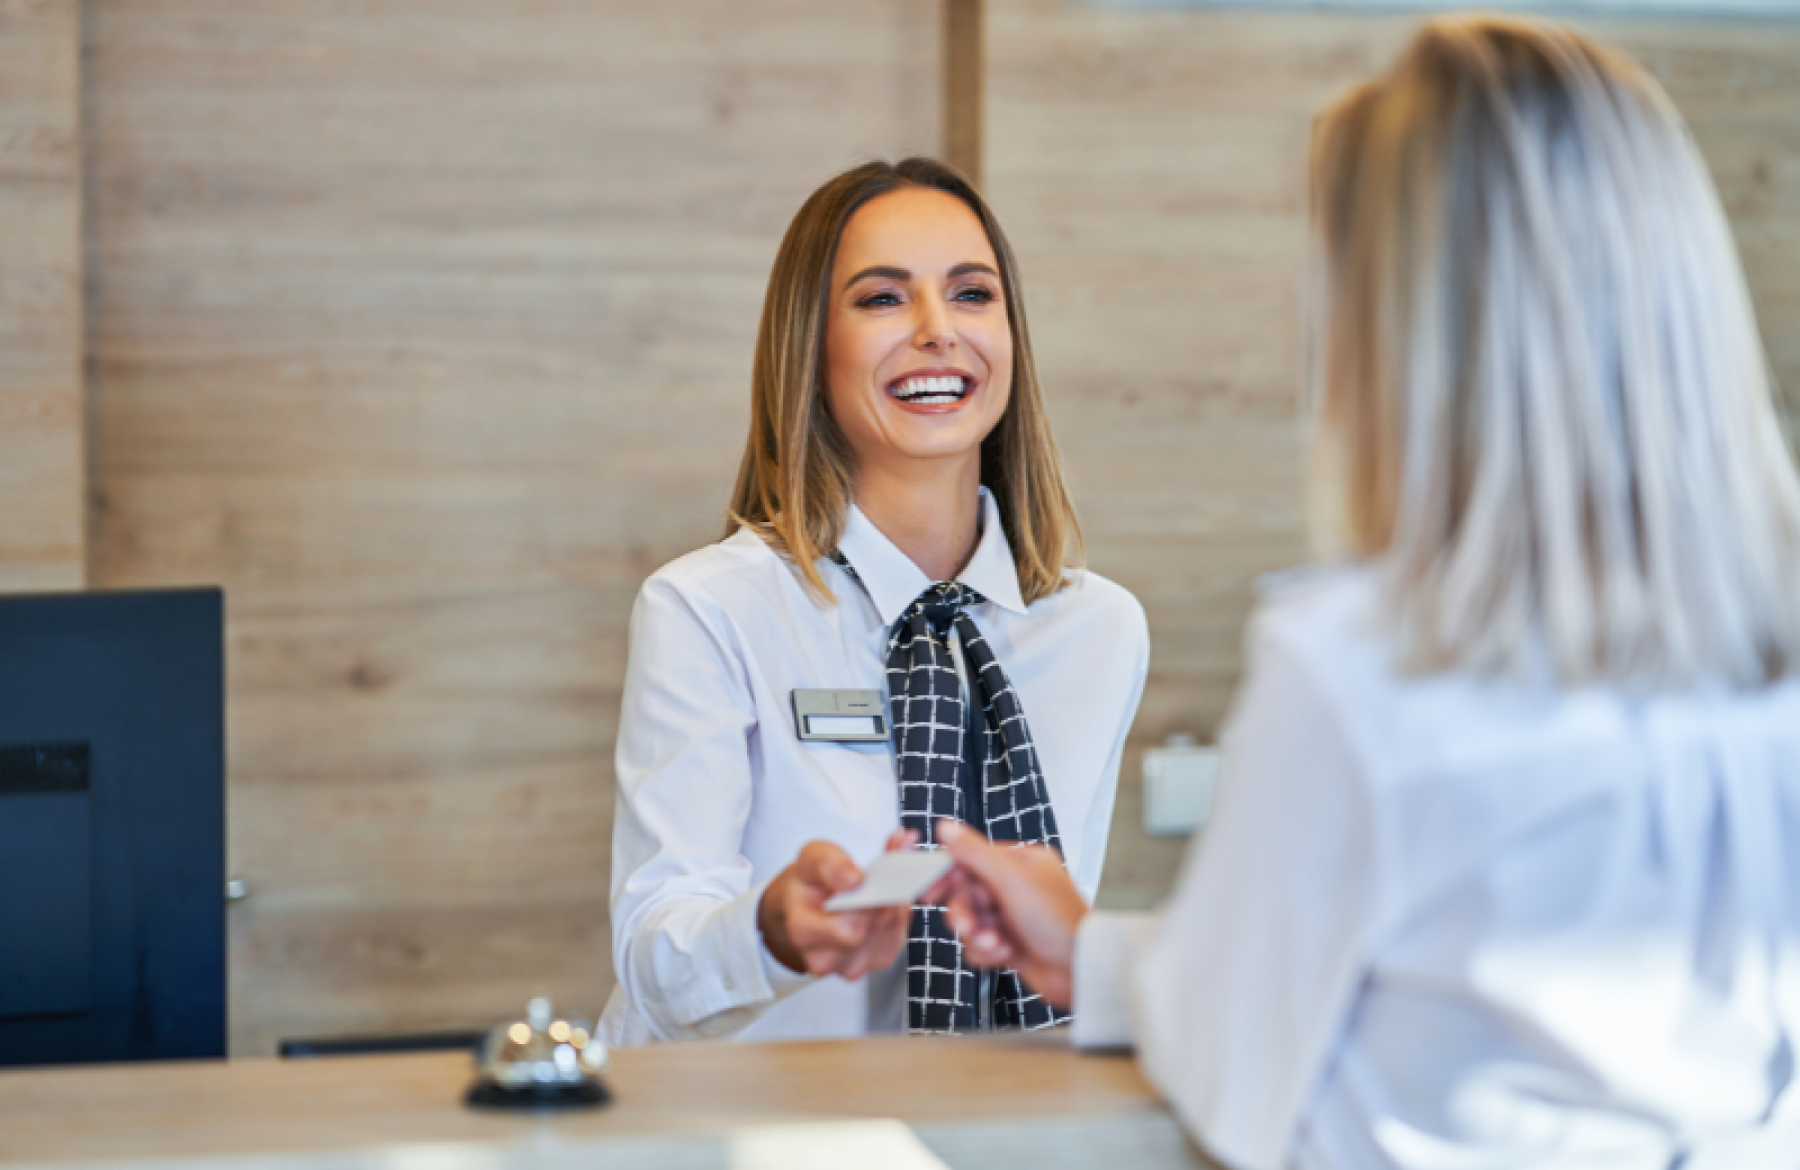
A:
{"points": [[728, 984]]}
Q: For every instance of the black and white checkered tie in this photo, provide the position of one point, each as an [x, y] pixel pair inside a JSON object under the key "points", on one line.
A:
{"points": [[926, 698]]}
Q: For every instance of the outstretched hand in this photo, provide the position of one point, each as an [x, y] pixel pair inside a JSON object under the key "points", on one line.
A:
{"points": [[1012, 906], [804, 936]]}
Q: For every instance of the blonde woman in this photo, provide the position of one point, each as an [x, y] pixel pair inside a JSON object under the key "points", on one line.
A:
{"points": [[893, 631], [1506, 865]]}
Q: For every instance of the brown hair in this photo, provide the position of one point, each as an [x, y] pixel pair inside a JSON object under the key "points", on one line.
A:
{"points": [[794, 484]]}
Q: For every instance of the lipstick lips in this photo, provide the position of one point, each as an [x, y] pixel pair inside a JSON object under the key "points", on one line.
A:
{"points": [[932, 391]]}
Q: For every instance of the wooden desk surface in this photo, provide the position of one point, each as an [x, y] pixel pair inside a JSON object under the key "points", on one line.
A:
{"points": [[992, 1102]]}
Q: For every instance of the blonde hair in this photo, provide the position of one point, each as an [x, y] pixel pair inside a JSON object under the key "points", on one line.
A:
{"points": [[1541, 401], [794, 484]]}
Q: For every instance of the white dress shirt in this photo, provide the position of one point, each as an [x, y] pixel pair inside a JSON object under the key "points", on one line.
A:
{"points": [[717, 794], [1443, 923]]}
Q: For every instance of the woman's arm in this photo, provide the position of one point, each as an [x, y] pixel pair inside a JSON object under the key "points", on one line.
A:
{"points": [[699, 949], [1242, 990], [685, 945]]}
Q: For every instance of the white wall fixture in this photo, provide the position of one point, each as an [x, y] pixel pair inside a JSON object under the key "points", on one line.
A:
{"points": [[1179, 778]]}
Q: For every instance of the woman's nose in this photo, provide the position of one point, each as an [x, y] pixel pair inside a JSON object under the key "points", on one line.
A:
{"points": [[935, 331]]}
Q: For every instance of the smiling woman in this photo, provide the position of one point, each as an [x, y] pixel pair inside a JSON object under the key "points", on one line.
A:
{"points": [[919, 367], [835, 240], [900, 550]]}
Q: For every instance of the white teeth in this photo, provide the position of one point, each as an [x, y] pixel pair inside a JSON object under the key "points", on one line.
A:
{"points": [[933, 390]]}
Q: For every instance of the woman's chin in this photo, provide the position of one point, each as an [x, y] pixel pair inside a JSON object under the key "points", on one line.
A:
{"points": [[891, 432], [936, 432], [907, 444]]}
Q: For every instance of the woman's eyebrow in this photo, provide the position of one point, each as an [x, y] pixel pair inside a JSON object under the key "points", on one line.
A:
{"points": [[969, 266], [879, 270]]}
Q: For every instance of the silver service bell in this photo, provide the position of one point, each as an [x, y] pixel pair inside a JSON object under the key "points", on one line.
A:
{"points": [[540, 1062]]}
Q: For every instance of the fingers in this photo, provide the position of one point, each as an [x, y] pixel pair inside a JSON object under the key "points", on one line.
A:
{"points": [[978, 919], [945, 888], [1014, 898], [999, 868], [987, 949], [1003, 902], [886, 935], [972, 850], [849, 944], [984, 943], [981, 897], [973, 911], [901, 840], [821, 937], [826, 941], [826, 867]]}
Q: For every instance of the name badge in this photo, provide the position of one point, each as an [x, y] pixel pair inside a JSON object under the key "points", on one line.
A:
{"points": [[841, 716]]}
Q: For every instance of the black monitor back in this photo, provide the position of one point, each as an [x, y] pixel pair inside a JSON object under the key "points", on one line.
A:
{"points": [[112, 826]]}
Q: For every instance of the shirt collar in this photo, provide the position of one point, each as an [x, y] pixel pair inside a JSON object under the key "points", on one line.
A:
{"points": [[894, 582]]}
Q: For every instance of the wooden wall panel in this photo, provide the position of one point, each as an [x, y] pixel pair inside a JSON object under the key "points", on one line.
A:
{"points": [[424, 327], [41, 472], [1148, 166]]}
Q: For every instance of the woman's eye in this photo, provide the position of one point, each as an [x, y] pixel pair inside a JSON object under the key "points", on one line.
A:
{"points": [[975, 294], [878, 300]]}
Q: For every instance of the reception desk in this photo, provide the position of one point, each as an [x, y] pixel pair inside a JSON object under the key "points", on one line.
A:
{"points": [[899, 1102]]}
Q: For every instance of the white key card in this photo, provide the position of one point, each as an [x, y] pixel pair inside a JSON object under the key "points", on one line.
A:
{"points": [[894, 879]]}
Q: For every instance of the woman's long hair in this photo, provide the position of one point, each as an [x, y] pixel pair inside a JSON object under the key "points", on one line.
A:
{"points": [[1543, 408], [794, 484]]}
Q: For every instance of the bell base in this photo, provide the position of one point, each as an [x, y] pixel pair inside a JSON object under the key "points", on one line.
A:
{"points": [[486, 1094]]}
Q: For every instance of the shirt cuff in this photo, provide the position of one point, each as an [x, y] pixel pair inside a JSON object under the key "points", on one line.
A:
{"points": [[740, 972], [1106, 949]]}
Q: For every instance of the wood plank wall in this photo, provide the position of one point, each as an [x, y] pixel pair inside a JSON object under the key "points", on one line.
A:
{"points": [[424, 327], [1147, 165], [41, 472]]}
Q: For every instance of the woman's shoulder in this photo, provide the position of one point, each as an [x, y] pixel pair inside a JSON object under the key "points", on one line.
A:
{"points": [[737, 583], [1321, 633], [1320, 639], [731, 590], [1316, 649], [1321, 611], [1088, 596], [742, 558]]}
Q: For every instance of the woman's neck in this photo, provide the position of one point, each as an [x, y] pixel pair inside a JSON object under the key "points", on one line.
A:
{"points": [[932, 515]]}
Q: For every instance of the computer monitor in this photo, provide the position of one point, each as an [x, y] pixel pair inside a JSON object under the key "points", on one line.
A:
{"points": [[112, 826]]}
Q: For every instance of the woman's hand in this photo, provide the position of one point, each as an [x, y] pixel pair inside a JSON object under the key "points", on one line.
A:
{"points": [[1012, 906], [804, 936]]}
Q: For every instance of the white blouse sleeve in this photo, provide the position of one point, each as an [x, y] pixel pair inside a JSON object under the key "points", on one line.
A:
{"points": [[1108, 948], [1090, 859], [685, 942], [1244, 984]]}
